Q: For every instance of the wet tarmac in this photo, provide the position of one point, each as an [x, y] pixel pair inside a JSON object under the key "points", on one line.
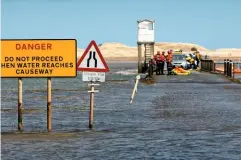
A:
{"points": [[194, 77]]}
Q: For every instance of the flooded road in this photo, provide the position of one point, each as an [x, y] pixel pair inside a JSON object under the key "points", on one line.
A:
{"points": [[195, 119]]}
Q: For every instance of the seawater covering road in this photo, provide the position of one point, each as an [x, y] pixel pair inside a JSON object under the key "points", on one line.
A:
{"points": [[179, 117]]}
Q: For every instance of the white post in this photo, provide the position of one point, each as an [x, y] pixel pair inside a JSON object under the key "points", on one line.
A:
{"points": [[135, 88]]}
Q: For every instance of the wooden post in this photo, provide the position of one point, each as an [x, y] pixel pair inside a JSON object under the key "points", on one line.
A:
{"points": [[150, 69], [214, 66], [91, 117], [225, 67], [152, 49], [20, 104], [146, 63], [205, 65], [139, 58], [209, 66], [91, 114], [230, 68], [49, 105]]}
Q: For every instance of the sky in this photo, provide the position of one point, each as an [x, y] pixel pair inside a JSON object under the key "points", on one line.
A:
{"points": [[209, 23]]}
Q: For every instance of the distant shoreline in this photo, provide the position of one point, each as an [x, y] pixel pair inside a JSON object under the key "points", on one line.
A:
{"points": [[120, 59], [135, 59]]}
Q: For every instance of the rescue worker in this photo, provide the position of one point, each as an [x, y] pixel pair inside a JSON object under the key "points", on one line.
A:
{"points": [[169, 60], [192, 62], [158, 63], [198, 58], [155, 56], [162, 60], [194, 58], [188, 59]]}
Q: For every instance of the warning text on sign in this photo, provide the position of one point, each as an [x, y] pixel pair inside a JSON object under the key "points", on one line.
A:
{"points": [[93, 76], [31, 58]]}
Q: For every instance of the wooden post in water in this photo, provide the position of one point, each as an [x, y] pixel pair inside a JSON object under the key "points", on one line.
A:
{"points": [[225, 67], [20, 104], [49, 105], [91, 114], [139, 58]]}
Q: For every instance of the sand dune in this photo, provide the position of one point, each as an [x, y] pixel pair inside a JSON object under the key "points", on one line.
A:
{"points": [[226, 53], [176, 46], [118, 51]]}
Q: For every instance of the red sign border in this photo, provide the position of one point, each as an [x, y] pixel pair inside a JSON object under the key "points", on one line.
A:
{"points": [[106, 69]]}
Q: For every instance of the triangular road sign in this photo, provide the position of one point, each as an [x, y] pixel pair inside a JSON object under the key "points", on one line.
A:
{"points": [[92, 60]]}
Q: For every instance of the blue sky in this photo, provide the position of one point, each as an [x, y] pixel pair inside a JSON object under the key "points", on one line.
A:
{"points": [[209, 23]]}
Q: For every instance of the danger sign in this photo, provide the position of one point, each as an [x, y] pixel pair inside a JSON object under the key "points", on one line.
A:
{"points": [[38, 58]]}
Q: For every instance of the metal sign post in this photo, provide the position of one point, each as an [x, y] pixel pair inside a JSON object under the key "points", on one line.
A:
{"points": [[93, 66]]}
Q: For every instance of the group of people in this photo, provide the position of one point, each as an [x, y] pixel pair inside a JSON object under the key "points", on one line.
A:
{"points": [[160, 59]]}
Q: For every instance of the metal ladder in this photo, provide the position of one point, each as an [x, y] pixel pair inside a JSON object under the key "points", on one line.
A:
{"points": [[148, 52]]}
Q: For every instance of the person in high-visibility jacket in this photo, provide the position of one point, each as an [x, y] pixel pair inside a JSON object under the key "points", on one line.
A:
{"points": [[190, 60], [155, 56], [169, 60], [158, 63], [198, 58], [162, 61], [169, 56]]}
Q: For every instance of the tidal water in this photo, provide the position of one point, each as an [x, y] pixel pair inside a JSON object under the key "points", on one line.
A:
{"points": [[166, 120]]}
